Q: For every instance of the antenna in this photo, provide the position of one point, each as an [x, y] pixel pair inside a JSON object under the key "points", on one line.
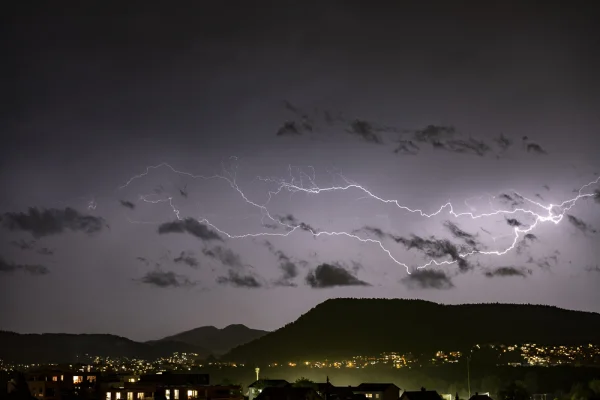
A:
{"points": [[257, 370]]}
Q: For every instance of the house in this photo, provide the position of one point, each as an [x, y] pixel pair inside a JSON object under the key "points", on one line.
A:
{"points": [[289, 393], [329, 392], [255, 388], [422, 394], [478, 396], [378, 391]]}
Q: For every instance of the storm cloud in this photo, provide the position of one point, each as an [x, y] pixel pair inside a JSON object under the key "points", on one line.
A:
{"points": [[36, 270], [165, 279], [237, 279], [428, 279], [188, 259], [52, 221], [508, 271], [330, 275], [191, 226]]}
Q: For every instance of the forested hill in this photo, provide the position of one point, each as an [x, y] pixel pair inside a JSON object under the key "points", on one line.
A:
{"points": [[347, 327]]}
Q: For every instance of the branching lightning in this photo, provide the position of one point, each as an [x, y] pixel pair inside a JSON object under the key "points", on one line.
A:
{"points": [[553, 213]]}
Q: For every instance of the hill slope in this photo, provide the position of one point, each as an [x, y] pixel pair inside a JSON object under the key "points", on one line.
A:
{"points": [[218, 341], [347, 327], [62, 347]]}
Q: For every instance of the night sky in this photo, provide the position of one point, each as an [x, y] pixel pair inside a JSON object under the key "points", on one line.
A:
{"points": [[137, 139]]}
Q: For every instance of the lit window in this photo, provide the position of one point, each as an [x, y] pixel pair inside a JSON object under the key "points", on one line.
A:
{"points": [[77, 379], [192, 394], [108, 397], [376, 395], [369, 395], [131, 379], [175, 394], [62, 377], [129, 395], [140, 395], [91, 378], [118, 395], [168, 394]]}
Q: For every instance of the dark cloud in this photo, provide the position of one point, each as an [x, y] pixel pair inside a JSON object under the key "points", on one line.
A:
{"points": [[234, 278], [513, 222], [435, 248], [143, 260], [52, 221], [471, 146], [508, 271], [407, 147], [592, 268], [458, 233], [127, 204], [503, 142], [289, 128], [597, 195], [328, 275], [288, 268], [191, 226], [290, 220], [364, 130], [187, 259], [525, 242], [579, 224], [165, 279], [8, 267], [546, 187], [434, 133], [535, 148], [545, 262], [428, 279], [225, 256], [23, 245], [183, 192], [45, 251]]}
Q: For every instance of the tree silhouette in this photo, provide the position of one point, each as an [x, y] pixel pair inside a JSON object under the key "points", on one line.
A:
{"points": [[303, 382], [514, 391]]}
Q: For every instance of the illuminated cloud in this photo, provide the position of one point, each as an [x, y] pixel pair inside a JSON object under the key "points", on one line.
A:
{"points": [[52, 221], [329, 275], [364, 130], [428, 279], [191, 226]]}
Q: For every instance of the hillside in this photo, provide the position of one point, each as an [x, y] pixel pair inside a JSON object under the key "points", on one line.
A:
{"points": [[217, 341], [347, 327], [62, 347]]}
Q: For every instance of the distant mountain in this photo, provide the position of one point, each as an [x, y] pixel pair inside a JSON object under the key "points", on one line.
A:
{"points": [[348, 327], [217, 341], [64, 348]]}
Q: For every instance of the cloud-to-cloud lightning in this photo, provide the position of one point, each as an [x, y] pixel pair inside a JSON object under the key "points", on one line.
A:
{"points": [[204, 229]]}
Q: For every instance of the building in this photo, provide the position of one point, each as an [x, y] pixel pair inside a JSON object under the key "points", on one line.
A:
{"points": [[255, 388], [422, 394], [289, 393], [172, 386], [55, 384], [378, 391]]}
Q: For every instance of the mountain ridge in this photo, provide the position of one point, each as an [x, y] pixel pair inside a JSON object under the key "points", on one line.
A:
{"points": [[218, 341], [347, 327]]}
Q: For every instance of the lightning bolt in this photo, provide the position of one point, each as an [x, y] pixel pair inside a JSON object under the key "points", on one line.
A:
{"points": [[554, 213]]}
